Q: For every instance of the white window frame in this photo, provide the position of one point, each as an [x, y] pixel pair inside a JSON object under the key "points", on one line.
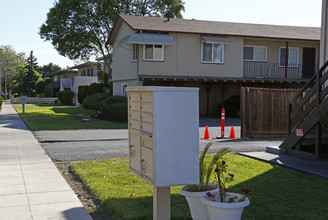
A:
{"points": [[266, 53], [123, 87], [144, 52], [201, 55], [298, 57], [135, 52]]}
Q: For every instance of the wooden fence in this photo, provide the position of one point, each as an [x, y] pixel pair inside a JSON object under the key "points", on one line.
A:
{"points": [[264, 111]]}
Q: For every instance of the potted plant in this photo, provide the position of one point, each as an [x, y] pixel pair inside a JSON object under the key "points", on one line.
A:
{"points": [[194, 193], [222, 204]]}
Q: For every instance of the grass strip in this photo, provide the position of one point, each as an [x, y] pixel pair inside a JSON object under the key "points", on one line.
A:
{"points": [[52, 117], [275, 192]]}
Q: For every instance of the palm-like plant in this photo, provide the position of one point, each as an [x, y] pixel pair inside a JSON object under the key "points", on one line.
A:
{"points": [[206, 169]]}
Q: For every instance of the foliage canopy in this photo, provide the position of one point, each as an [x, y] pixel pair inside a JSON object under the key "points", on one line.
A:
{"points": [[79, 29]]}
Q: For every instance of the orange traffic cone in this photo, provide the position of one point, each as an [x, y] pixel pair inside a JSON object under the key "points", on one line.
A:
{"points": [[207, 135], [232, 133]]}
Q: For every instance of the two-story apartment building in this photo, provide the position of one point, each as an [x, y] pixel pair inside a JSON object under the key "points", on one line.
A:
{"points": [[55, 78], [217, 57]]}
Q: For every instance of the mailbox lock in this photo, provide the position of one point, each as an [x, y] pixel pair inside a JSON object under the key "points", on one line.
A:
{"points": [[132, 152], [143, 166]]}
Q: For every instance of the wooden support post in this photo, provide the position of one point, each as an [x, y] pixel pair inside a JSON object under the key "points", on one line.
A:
{"points": [[317, 141], [318, 127], [289, 110], [208, 87], [161, 203], [286, 61]]}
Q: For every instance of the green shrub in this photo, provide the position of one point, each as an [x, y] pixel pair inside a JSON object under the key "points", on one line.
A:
{"points": [[93, 101], [115, 108], [1, 101], [58, 95], [96, 88], [82, 93], [65, 97]]}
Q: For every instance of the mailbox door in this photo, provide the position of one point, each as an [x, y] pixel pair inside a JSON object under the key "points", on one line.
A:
{"points": [[134, 152], [147, 162]]}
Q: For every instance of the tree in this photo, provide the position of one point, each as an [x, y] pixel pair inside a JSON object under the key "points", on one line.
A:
{"points": [[49, 68], [10, 60], [32, 77], [79, 29]]}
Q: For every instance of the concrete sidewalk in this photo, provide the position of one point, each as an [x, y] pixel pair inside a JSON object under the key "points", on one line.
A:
{"points": [[317, 168], [31, 187]]}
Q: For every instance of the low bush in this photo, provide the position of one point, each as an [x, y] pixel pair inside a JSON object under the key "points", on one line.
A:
{"points": [[82, 93], [94, 101], [115, 108], [65, 97], [1, 101]]}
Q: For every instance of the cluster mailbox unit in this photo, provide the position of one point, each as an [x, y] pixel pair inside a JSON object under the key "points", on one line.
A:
{"points": [[164, 139]]}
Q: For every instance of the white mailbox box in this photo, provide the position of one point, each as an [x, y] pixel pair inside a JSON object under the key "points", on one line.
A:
{"points": [[164, 135]]}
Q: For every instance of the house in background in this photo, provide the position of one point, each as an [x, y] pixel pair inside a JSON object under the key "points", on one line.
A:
{"points": [[87, 74], [107, 70], [217, 57], [56, 77]]}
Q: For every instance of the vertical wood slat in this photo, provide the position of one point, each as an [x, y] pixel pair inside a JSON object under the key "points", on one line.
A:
{"points": [[264, 111]]}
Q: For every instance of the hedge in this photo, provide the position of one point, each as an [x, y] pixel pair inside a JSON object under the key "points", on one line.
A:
{"points": [[96, 88], [65, 97], [1, 101], [82, 93], [115, 108], [93, 101]]}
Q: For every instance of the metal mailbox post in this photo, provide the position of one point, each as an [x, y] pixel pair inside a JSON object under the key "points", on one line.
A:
{"points": [[164, 140], [23, 100]]}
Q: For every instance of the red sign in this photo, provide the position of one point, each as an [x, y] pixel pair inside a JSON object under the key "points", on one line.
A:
{"points": [[299, 132]]}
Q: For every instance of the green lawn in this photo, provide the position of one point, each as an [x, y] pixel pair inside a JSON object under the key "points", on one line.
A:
{"points": [[52, 117], [275, 192]]}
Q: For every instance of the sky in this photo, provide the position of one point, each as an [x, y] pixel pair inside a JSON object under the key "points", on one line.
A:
{"points": [[20, 20]]}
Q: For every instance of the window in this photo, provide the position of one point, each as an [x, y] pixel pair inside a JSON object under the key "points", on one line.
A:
{"points": [[91, 70], [123, 87], [255, 53], [88, 72], [135, 52], [84, 73], [212, 53], [154, 52], [292, 57]]}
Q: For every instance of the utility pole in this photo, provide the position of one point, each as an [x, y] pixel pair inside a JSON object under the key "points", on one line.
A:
{"points": [[5, 86]]}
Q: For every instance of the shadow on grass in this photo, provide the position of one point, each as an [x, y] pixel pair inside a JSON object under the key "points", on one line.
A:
{"points": [[142, 208], [281, 193], [71, 110], [276, 194]]}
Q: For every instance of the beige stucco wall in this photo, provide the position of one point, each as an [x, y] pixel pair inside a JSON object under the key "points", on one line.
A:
{"points": [[184, 59], [118, 85], [122, 65], [273, 69], [273, 47]]}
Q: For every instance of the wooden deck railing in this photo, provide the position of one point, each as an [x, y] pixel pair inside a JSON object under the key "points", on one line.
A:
{"points": [[275, 70]]}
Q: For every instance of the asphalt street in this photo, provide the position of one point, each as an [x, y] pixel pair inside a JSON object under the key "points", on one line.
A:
{"points": [[80, 145]]}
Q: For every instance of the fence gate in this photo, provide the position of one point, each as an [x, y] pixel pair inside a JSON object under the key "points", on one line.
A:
{"points": [[264, 111]]}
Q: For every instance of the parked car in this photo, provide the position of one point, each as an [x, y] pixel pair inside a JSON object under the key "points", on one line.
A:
{"points": [[231, 106]]}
